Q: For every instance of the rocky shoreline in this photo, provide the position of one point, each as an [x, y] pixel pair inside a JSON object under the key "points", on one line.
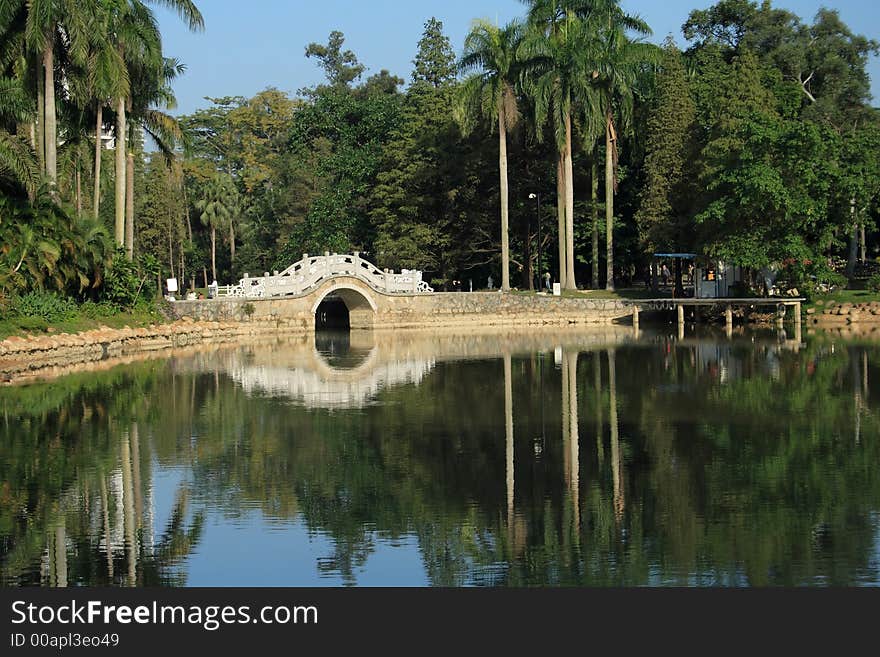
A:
{"points": [[22, 355], [833, 314]]}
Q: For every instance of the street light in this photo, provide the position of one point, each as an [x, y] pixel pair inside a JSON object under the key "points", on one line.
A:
{"points": [[538, 215]]}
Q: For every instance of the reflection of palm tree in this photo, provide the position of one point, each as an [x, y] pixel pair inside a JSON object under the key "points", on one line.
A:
{"points": [[105, 509], [508, 429], [616, 465], [597, 383], [58, 563], [129, 511], [178, 540], [570, 435]]}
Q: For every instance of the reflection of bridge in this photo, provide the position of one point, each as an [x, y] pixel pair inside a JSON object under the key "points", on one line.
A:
{"points": [[320, 386], [298, 371], [307, 274]]}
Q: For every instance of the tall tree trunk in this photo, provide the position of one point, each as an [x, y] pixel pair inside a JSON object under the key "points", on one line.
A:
{"points": [[863, 252], [560, 211], [214, 252], [528, 278], [120, 171], [51, 135], [594, 213], [231, 241], [32, 134], [502, 168], [181, 263], [78, 177], [609, 205], [570, 281], [129, 205], [99, 131], [41, 118], [189, 228], [853, 253], [171, 243]]}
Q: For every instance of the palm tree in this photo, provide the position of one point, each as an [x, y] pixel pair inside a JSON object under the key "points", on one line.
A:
{"points": [[619, 64], [136, 36], [217, 208], [107, 77], [52, 24], [558, 65], [16, 157], [491, 94]]}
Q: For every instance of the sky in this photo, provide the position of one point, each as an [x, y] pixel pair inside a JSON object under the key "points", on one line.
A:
{"points": [[247, 47]]}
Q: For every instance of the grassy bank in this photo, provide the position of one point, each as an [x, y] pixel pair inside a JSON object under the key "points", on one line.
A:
{"points": [[41, 314], [844, 296]]}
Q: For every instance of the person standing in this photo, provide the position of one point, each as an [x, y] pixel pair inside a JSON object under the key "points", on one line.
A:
{"points": [[547, 279]]}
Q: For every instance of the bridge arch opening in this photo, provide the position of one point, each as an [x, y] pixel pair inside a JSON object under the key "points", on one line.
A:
{"points": [[344, 308]]}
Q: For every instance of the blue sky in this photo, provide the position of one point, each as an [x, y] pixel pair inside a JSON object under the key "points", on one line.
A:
{"points": [[248, 46]]}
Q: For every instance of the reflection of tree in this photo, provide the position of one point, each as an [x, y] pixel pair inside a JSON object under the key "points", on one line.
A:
{"points": [[56, 463], [616, 460], [752, 479]]}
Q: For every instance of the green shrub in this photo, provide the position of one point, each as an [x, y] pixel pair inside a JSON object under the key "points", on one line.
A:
{"points": [[874, 283], [125, 285], [44, 305], [92, 310]]}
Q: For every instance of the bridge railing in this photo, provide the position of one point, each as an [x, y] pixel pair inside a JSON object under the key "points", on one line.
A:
{"points": [[311, 271]]}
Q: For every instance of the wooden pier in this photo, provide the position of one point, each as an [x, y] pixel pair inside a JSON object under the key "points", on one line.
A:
{"points": [[782, 304]]}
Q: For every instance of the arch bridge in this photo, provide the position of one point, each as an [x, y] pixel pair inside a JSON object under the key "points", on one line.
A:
{"points": [[312, 271], [336, 290]]}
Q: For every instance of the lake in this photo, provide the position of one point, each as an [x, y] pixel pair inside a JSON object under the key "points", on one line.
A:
{"points": [[581, 458]]}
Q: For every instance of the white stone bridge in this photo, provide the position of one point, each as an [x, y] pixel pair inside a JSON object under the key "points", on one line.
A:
{"points": [[374, 298], [308, 274]]}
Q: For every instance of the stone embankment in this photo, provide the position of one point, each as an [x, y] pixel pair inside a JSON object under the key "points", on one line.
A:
{"points": [[833, 314], [20, 355]]}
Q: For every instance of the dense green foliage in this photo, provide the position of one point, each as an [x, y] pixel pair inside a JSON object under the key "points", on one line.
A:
{"points": [[63, 66], [757, 144]]}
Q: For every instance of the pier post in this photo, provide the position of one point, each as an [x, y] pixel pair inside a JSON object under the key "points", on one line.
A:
{"points": [[781, 312], [680, 321], [636, 318], [798, 334], [728, 320]]}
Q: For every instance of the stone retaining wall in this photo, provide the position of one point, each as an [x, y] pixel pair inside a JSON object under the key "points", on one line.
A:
{"points": [[429, 310], [229, 320], [833, 314], [21, 355]]}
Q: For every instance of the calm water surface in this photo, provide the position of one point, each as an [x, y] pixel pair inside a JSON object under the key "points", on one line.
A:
{"points": [[418, 459]]}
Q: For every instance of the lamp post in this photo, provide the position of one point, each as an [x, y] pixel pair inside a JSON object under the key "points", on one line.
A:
{"points": [[538, 217]]}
